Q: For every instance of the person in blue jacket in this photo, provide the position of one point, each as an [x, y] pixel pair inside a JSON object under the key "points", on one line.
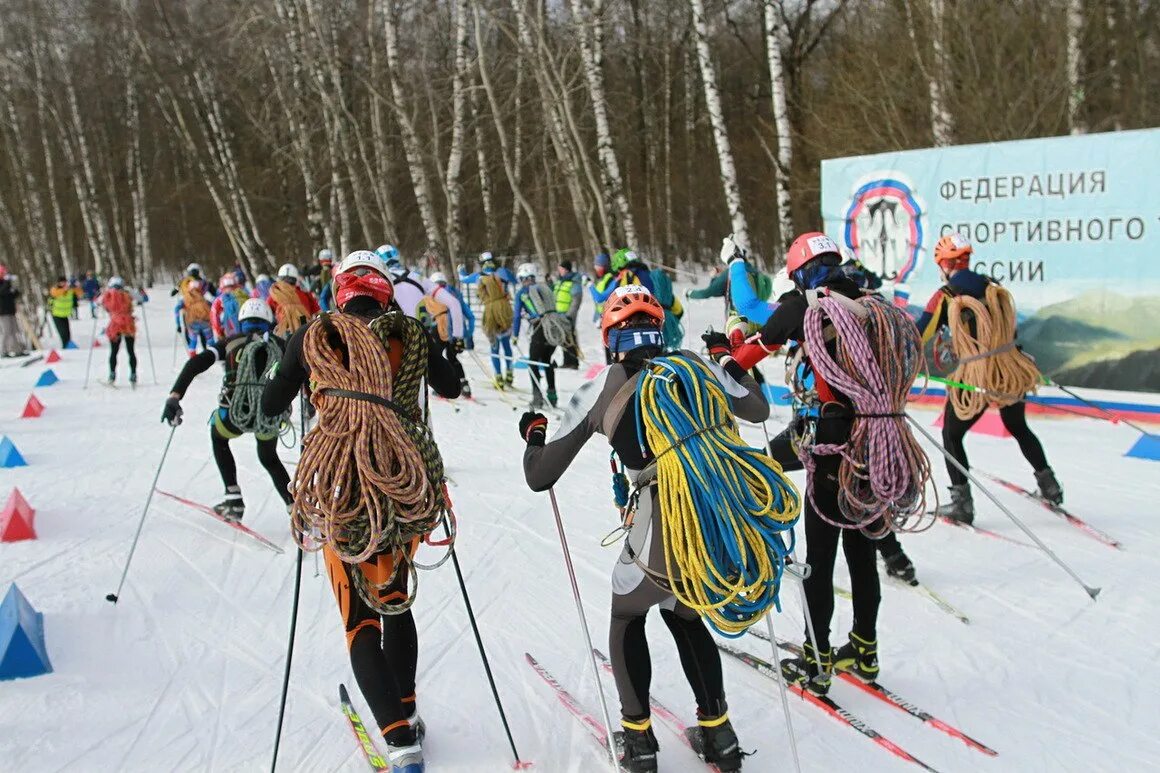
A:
{"points": [[488, 265]]}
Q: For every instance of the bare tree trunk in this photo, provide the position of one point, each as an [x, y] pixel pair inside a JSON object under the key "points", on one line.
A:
{"points": [[62, 243], [1114, 67], [455, 153], [667, 167], [484, 173], [690, 99], [941, 122], [518, 144], [1075, 90], [20, 155], [717, 119], [783, 169], [142, 246]]}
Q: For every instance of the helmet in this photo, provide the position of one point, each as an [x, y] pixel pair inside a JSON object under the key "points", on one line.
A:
{"points": [[622, 258], [115, 282], [325, 257], [262, 278], [953, 250], [526, 271], [602, 260], [228, 281], [807, 247], [438, 278], [193, 269], [256, 308], [388, 252], [486, 257], [363, 273], [625, 303], [288, 271]]}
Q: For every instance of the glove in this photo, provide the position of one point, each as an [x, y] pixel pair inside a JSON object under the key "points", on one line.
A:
{"points": [[688, 293], [459, 346], [172, 412], [533, 428], [718, 344], [587, 280], [179, 329], [738, 329], [730, 251]]}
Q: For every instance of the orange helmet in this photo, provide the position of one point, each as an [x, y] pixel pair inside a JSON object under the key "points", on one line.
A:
{"points": [[953, 249], [808, 246], [625, 303]]}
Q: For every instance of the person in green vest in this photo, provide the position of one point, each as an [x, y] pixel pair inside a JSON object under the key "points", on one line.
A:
{"points": [[62, 302], [569, 293]]}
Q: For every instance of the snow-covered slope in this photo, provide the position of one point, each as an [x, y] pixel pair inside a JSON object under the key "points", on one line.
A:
{"points": [[185, 673]]}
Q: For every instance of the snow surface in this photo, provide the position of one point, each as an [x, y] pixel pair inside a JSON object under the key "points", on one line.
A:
{"points": [[185, 673]]}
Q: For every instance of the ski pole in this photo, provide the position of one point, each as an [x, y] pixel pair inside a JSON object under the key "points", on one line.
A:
{"points": [[584, 625], [1113, 418], [293, 615], [784, 690], [518, 764], [1091, 591], [114, 597], [148, 341], [89, 360]]}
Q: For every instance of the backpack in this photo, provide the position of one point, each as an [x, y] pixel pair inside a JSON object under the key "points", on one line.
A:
{"points": [[196, 306], [229, 316], [763, 285], [435, 316], [289, 310]]}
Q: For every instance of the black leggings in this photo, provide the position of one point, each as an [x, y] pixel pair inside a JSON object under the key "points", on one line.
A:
{"points": [[267, 455], [1014, 418], [822, 541], [115, 346], [62, 328], [541, 351]]}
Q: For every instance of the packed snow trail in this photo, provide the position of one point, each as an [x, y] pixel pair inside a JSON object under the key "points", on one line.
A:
{"points": [[185, 672]]}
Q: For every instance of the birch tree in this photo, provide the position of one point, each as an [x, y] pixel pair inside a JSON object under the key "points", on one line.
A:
{"points": [[1075, 89], [783, 169]]}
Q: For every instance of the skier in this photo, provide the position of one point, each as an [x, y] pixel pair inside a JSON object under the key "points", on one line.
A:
{"points": [[119, 305], [444, 317], [10, 345], [410, 288], [631, 328], [291, 305], [630, 269], [325, 291], [91, 288], [813, 264], [192, 312], [373, 598], [569, 293], [493, 282], [1002, 369], [262, 285], [246, 357], [534, 302], [601, 289], [223, 312], [62, 302]]}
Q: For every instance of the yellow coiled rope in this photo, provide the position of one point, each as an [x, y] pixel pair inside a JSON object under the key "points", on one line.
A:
{"points": [[989, 357], [723, 504]]}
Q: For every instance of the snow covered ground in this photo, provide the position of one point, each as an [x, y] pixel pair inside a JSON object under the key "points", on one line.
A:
{"points": [[185, 673]]}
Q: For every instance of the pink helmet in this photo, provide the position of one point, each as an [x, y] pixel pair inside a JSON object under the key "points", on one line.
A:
{"points": [[807, 247]]}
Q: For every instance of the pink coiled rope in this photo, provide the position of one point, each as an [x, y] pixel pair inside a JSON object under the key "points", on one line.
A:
{"points": [[884, 472]]}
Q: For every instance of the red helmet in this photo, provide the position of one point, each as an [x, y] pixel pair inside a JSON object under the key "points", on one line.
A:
{"points": [[807, 247], [625, 303], [228, 281], [953, 251], [3, 271]]}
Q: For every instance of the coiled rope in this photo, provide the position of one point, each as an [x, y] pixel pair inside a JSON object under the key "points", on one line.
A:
{"points": [[245, 403], [988, 357], [370, 479], [723, 504], [883, 475]]}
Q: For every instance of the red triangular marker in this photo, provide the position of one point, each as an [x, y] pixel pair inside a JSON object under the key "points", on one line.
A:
{"points": [[52, 357], [990, 423], [18, 504], [15, 527], [96, 343], [33, 408]]}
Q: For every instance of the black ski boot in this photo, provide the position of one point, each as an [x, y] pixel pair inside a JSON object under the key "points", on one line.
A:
{"points": [[636, 746], [715, 742], [509, 378], [1049, 488], [553, 398], [961, 508], [112, 378], [811, 671], [899, 565], [859, 657], [133, 379], [464, 388], [231, 508]]}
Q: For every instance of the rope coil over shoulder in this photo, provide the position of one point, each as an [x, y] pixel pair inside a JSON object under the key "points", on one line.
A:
{"points": [[245, 403], [883, 474], [724, 505], [370, 479], [988, 357]]}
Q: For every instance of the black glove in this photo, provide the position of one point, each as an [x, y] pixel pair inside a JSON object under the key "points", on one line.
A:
{"points": [[172, 412], [533, 428], [717, 343], [459, 346]]}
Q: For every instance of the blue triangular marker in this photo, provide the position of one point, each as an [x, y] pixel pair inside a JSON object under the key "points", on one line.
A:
{"points": [[71, 345], [1146, 447], [22, 650], [48, 378], [9, 456]]}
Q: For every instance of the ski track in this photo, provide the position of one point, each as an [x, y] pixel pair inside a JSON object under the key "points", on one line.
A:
{"points": [[185, 672]]}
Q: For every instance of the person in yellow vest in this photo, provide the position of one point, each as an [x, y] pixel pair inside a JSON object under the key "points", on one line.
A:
{"points": [[569, 293], [601, 289], [62, 301]]}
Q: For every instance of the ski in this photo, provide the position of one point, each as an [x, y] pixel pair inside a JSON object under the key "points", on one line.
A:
{"points": [[658, 708], [983, 532], [595, 728], [233, 524], [377, 761], [888, 696], [919, 588], [1074, 520], [826, 704]]}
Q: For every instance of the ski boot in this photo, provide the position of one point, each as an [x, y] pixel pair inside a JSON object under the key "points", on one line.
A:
{"points": [[509, 378], [133, 379], [714, 741], [961, 508], [899, 566], [464, 389], [498, 382], [859, 657], [231, 508], [112, 378], [553, 398], [811, 671], [1049, 489], [406, 759], [636, 746]]}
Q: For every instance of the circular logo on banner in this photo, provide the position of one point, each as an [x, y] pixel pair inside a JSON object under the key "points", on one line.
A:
{"points": [[884, 226]]}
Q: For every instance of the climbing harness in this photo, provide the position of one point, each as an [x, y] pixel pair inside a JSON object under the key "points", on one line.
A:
{"points": [[370, 479]]}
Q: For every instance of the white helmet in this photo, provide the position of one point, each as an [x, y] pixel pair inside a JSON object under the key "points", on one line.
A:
{"points": [[288, 271], [364, 258], [325, 255], [116, 281], [438, 278], [193, 268], [486, 256], [256, 308], [526, 271], [262, 278]]}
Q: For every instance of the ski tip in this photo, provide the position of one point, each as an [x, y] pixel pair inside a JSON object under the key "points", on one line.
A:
{"points": [[522, 765], [343, 695], [1093, 592]]}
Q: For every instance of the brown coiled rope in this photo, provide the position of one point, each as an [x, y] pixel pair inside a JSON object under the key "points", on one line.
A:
{"points": [[370, 477], [988, 358]]}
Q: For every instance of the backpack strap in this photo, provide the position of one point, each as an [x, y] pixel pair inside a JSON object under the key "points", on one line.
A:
{"points": [[619, 404]]}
